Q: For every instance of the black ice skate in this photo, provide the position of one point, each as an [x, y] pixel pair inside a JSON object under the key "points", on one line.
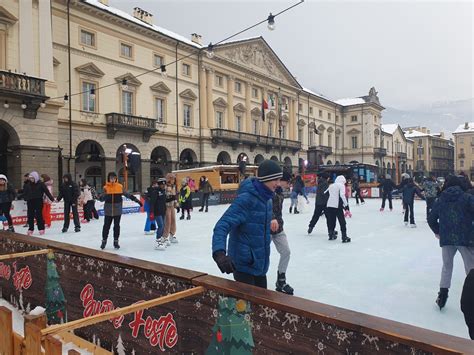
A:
{"points": [[442, 297], [310, 229], [296, 211], [64, 230], [282, 286], [77, 229], [188, 217], [332, 235], [11, 229], [182, 217], [104, 243], [291, 209], [345, 238], [116, 244]]}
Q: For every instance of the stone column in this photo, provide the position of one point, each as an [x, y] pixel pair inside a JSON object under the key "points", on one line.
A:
{"points": [[247, 123], [202, 97], [292, 119], [27, 47], [263, 124], [210, 110], [145, 173], [230, 102], [46, 42]]}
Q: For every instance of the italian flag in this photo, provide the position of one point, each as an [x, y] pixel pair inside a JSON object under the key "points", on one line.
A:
{"points": [[264, 107]]}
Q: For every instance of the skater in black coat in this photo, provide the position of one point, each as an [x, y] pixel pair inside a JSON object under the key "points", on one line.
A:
{"points": [[408, 191], [157, 196], [387, 188], [467, 304], [69, 191], [7, 196], [321, 200]]}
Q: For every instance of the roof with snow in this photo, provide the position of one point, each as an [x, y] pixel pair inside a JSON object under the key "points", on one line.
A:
{"points": [[129, 17], [414, 134], [309, 91], [389, 128], [463, 129], [350, 101]]}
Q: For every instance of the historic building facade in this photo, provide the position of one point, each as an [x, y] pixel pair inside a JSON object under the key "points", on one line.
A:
{"points": [[135, 85], [433, 154], [464, 154], [399, 148]]}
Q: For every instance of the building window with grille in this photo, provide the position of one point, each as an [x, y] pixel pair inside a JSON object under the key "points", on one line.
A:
{"points": [[300, 107], [354, 118], [219, 81], [88, 38], [255, 127], [238, 86], [337, 118], [238, 123], [330, 140], [255, 93], [311, 138], [337, 142], [127, 102], [354, 142], [283, 131], [187, 115], [186, 69], [160, 110], [270, 129], [329, 116], [126, 50], [158, 60], [88, 101], [320, 113], [300, 135], [310, 110], [219, 119]]}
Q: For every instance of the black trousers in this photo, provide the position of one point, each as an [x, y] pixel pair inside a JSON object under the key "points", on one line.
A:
{"points": [[358, 195], [205, 200], [318, 212], [385, 196], [429, 205], [35, 211], [107, 223], [68, 206], [259, 281], [93, 210], [409, 209], [331, 215], [5, 210], [88, 210]]}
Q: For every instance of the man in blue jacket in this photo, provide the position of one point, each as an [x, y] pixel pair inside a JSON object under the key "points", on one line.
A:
{"points": [[247, 222]]}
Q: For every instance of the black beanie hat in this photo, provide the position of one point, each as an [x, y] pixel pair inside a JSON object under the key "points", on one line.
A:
{"points": [[111, 174], [269, 170], [286, 176]]}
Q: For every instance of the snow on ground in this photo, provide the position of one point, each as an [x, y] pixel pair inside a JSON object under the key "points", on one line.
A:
{"points": [[388, 270], [18, 327]]}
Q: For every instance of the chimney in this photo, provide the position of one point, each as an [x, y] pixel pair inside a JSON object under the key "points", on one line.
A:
{"points": [[196, 38], [466, 125], [142, 15]]}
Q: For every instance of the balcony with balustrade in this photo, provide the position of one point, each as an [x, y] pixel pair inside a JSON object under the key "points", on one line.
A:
{"points": [[325, 150], [24, 89], [121, 122], [380, 152]]}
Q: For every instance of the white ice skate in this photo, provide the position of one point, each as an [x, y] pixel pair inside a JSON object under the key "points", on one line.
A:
{"points": [[413, 225], [160, 244], [173, 239]]}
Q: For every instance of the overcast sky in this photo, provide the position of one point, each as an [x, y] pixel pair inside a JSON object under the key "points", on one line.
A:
{"points": [[414, 52]]}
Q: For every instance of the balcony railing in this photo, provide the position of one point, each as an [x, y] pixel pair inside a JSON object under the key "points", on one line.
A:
{"points": [[401, 155], [253, 140], [120, 121], [322, 149], [381, 152], [25, 89]]}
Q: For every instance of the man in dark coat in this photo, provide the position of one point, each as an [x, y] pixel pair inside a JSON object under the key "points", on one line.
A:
{"points": [[387, 186], [451, 221], [69, 192], [206, 188], [157, 196], [321, 200], [356, 189], [408, 197]]}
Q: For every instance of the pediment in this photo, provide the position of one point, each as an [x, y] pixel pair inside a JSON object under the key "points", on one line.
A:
{"points": [[89, 69], [6, 16], [256, 55], [239, 107], [220, 102], [312, 125], [188, 94], [56, 62], [131, 80], [161, 88], [330, 129], [338, 131], [321, 128], [301, 122], [256, 112], [271, 115], [285, 118], [354, 131]]}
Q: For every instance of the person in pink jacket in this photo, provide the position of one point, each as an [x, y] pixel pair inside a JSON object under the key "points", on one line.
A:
{"points": [[347, 213], [46, 212]]}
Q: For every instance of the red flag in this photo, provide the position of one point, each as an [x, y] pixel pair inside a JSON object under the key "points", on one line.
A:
{"points": [[264, 107]]}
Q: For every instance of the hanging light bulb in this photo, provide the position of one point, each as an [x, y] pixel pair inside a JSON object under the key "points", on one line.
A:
{"points": [[210, 51], [6, 104], [43, 104], [92, 93], [23, 105], [124, 84], [271, 22], [66, 98], [163, 70]]}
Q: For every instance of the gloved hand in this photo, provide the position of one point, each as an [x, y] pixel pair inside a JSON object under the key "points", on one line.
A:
{"points": [[152, 216], [224, 262], [346, 208], [140, 203]]}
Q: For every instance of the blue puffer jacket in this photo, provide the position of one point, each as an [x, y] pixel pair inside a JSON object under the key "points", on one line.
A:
{"points": [[247, 221], [452, 216]]}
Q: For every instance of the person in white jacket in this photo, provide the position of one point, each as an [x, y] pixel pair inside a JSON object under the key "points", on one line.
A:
{"points": [[86, 200], [337, 202]]}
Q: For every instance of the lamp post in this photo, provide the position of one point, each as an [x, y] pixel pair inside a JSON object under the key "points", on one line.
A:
{"points": [[279, 120], [69, 87]]}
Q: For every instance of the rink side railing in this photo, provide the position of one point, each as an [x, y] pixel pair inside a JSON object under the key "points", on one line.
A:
{"points": [[216, 315]]}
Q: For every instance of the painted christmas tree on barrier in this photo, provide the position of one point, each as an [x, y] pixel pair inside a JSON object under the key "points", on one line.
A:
{"points": [[232, 333], [55, 300]]}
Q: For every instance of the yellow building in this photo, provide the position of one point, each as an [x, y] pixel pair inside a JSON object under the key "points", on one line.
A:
{"points": [[201, 110], [399, 149], [464, 154]]}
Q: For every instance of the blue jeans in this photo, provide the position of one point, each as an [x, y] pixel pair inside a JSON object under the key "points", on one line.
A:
{"points": [[160, 226], [148, 223]]}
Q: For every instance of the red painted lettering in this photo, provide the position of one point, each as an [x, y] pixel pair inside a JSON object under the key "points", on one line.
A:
{"points": [[93, 307], [22, 278], [5, 271]]}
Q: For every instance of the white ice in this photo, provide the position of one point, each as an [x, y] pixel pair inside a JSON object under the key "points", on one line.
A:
{"points": [[388, 270]]}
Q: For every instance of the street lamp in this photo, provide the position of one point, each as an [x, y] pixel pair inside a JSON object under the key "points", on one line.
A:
{"points": [[279, 119]]}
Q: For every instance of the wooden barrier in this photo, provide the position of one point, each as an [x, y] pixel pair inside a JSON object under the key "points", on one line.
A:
{"points": [[24, 254], [271, 322], [32, 339], [52, 346], [6, 331]]}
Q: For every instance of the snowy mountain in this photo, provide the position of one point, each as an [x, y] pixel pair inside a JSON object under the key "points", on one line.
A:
{"points": [[442, 116]]}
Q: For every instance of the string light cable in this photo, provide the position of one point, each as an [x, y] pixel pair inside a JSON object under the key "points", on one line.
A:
{"points": [[209, 49]]}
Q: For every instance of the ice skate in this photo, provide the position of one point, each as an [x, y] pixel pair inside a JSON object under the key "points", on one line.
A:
{"points": [[182, 217], [412, 225], [310, 229], [77, 229], [64, 230], [116, 244], [296, 211], [11, 229], [282, 286], [41, 232], [201, 209], [346, 239], [332, 235], [104, 243], [406, 223], [173, 239], [160, 244], [29, 233], [188, 217], [442, 297], [381, 209], [291, 209]]}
